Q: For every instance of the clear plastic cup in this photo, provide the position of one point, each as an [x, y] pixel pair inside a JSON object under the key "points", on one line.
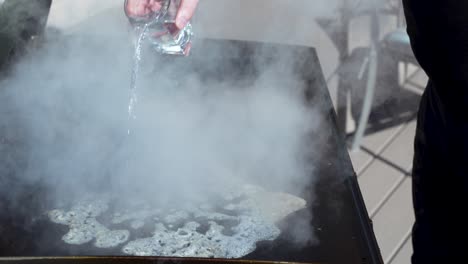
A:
{"points": [[160, 29]]}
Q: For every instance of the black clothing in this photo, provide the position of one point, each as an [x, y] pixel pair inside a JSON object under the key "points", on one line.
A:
{"points": [[439, 36]]}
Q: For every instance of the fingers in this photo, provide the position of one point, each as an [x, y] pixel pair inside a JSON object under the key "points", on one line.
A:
{"points": [[143, 7], [155, 5], [136, 7], [140, 7], [186, 10]]}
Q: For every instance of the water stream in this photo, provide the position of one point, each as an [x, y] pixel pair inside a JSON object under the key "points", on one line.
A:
{"points": [[134, 79]]}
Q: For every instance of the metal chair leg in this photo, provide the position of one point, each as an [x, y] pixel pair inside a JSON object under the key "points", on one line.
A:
{"points": [[368, 99], [371, 83]]}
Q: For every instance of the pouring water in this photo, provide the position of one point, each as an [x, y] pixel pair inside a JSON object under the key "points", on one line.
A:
{"points": [[158, 27]]}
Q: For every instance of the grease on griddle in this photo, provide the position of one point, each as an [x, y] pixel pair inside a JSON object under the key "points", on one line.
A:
{"points": [[240, 219]]}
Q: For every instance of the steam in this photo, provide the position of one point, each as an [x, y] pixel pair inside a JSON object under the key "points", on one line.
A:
{"points": [[70, 100]]}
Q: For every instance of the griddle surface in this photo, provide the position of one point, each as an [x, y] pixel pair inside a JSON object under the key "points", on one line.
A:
{"points": [[340, 220]]}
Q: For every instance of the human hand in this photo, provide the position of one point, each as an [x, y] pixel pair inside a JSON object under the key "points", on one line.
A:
{"points": [[141, 8], [185, 13]]}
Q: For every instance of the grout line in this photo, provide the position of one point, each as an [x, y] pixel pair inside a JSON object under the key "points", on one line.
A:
{"points": [[387, 196], [399, 247], [384, 147], [412, 75], [390, 193], [386, 161], [414, 87], [365, 165]]}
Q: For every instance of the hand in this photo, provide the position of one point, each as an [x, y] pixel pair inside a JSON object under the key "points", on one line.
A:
{"points": [[140, 8], [144, 7], [185, 13]]}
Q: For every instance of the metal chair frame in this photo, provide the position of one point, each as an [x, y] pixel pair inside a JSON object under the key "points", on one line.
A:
{"points": [[338, 31]]}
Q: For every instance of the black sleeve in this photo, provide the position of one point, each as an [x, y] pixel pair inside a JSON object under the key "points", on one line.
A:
{"points": [[439, 36]]}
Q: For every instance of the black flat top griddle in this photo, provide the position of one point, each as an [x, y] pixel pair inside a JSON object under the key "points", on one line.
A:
{"points": [[340, 218]]}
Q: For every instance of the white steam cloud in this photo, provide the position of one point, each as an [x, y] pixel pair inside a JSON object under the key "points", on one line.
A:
{"points": [[71, 98]]}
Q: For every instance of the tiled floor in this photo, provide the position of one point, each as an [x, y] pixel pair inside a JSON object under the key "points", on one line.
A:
{"points": [[383, 166]]}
